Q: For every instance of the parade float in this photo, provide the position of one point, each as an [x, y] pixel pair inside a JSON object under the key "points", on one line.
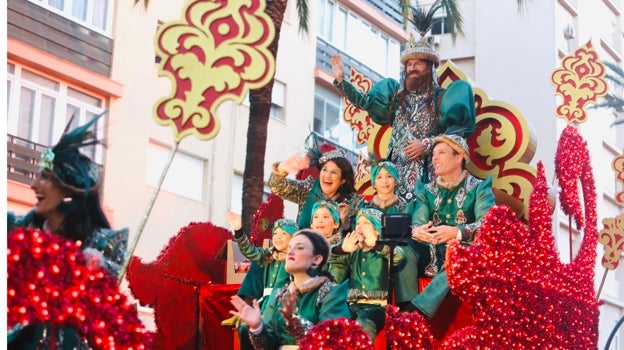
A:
{"points": [[496, 301]]}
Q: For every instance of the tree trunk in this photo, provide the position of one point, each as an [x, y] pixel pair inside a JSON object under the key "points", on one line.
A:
{"points": [[259, 108]]}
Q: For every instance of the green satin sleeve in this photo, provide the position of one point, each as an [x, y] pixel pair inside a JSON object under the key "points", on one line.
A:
{"points": [[484, 199], [420, 210], [457, 109], [334, 304], [338, 266], [378, 102]]}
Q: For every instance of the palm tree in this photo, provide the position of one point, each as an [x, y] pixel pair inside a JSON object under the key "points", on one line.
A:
{"points": [[614, 100], [259, 108]]}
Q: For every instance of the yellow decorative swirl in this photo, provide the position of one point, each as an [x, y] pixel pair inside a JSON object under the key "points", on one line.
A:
{"points": [[218, 51], [612, 237], [579, 82]]}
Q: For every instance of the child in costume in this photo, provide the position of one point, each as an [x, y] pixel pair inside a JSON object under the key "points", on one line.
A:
{"points": [[363, 263]]}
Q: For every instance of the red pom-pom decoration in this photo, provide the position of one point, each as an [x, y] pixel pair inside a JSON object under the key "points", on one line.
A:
{"points": [[49, 282], [407, 330], [336, 334], [521, 294]]}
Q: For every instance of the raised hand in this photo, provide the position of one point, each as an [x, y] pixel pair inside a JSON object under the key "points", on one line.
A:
{"points": [[234, 220], [351, 242], [337, 67], [294, 164], [289, 300], [249, 314]]}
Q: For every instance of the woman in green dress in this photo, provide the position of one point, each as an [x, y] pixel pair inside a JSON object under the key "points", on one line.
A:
{"points": [[335, 182], [310, 297]]}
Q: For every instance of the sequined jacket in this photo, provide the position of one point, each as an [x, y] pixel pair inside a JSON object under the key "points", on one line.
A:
{"points": [[327, 301], [464, 206], [305, 193], [420, 115]]}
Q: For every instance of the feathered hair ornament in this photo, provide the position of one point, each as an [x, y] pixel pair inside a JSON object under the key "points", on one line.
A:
{"points": [[423, 20], [73, 169]]}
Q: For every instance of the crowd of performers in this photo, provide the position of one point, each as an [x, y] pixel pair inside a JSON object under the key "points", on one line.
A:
{"points": [[327, 262], [330, 261]]}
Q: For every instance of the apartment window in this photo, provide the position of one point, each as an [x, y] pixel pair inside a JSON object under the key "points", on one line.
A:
{"points": [[185, 176], [236, 203], [441, 26], [328, 120], [94, 14], [278, 101], [347, 31], [40, 108]]}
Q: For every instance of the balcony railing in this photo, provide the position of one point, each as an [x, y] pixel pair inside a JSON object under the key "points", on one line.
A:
{"points": [[324, 50], [22, 159], [350, 155], [389, 8]]}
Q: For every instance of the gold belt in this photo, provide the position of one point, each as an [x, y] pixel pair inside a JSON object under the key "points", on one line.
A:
{"points": [[380, 302]]}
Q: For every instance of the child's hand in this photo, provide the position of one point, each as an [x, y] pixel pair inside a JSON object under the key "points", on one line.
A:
{"points": [[234, 220], [351, 242]]}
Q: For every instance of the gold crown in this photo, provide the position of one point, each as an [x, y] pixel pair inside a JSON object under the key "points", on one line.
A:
{"points": [[421, 49]]}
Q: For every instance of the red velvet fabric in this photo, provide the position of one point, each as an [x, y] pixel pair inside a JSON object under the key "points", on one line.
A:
{"points": [[214, 306], [450, 317]]}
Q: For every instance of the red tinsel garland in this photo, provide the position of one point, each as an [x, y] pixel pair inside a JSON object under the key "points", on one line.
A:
{"points": [[336, 334], [521, 294], [49, 282]]}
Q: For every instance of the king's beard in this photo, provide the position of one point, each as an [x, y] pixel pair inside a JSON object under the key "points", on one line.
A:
{"points": [[415, 84]]}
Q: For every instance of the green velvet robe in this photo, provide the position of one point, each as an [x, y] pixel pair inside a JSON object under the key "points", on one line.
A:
{"points": [[419, 115], [464, 207], [327, 301]]}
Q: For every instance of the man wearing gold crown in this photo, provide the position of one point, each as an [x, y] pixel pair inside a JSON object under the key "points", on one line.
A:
{"points": [[418, 110]]}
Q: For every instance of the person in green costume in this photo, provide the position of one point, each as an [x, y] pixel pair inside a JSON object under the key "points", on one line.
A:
{"points": [[385, 179], [326, 220], [418, 110], [68, 205], [450, 207], [335, 182], [311, 296], [270, 262], [362, 263]]}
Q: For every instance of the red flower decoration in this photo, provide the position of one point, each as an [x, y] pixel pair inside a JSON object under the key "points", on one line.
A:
{"points": [[49, 282]]}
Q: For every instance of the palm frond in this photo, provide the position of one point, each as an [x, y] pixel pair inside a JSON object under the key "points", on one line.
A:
{"points": [[303, 10], [423, 19], [145, 3], [614, 101]]}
